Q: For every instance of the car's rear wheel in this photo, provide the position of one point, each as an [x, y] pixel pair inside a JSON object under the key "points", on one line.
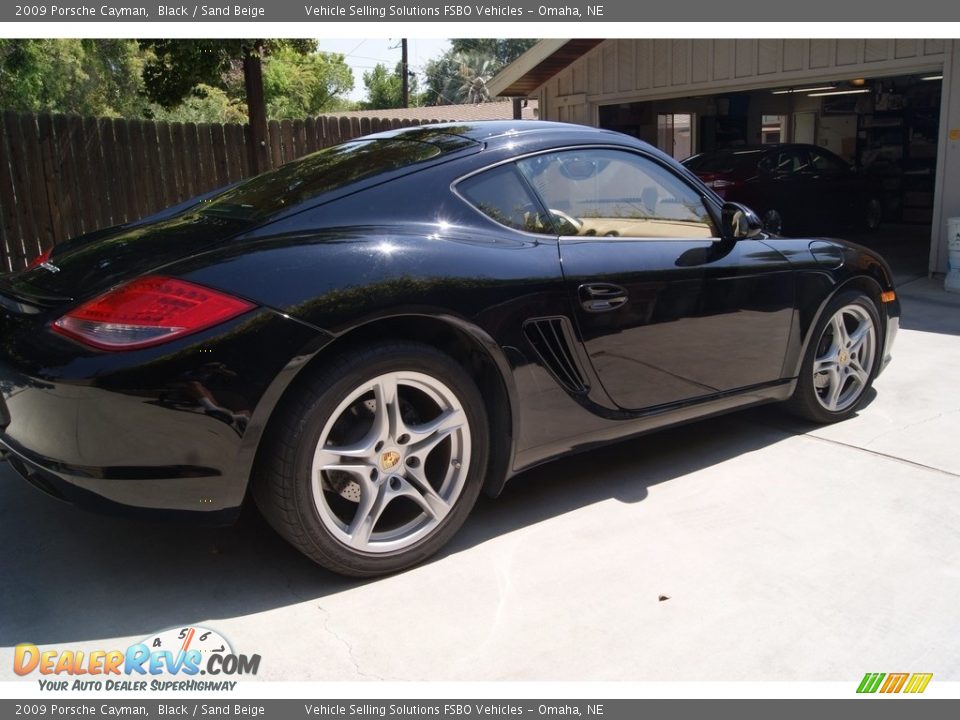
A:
{"points": [[377, 461], [841, 361]]}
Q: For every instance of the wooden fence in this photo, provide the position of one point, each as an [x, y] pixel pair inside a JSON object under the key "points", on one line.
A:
{"points": [[63, 175]]}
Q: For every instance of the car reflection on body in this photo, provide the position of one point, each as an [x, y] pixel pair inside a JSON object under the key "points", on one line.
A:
{"points": [[369, 337]]}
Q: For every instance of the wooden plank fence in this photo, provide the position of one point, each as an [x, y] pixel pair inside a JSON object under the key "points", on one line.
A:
{"points": [[63, 175]]}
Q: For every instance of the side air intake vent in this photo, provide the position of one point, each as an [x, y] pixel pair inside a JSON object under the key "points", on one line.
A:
{"points": [[551, 338]]}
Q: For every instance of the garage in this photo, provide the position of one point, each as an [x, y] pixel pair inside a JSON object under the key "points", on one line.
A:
{"points": [[889, 108]]}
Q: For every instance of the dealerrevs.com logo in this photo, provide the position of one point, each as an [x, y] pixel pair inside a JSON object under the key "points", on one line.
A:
{"points": [[169, 660]]}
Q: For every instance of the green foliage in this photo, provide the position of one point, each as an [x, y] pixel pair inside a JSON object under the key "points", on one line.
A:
{"points": [[87, 77], [203, 79], [461, 74], [385, 88], [205, 104], [178, 67], [298, 86], [500, 52]]}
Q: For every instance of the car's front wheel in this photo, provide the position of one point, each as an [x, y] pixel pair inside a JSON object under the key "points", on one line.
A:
{"points": [[841, 360], [377, 461]]}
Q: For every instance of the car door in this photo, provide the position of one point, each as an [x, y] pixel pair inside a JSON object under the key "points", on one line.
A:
{"points": [[666, 311], [835, 186], [787, 188]]}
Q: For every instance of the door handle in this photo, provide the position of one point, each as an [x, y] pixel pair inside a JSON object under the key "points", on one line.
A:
{"points": [[601, 297]]}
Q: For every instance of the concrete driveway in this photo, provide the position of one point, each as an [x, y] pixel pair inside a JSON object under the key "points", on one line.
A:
{"points": [[749, 547]]}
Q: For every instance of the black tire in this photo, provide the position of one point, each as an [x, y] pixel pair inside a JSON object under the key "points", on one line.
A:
{"points": [[811, 398], [306, 516]]}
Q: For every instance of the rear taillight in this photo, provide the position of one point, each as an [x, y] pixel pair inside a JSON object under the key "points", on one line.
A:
{"points": [[148, 311], [40, 259], [718, 182]]}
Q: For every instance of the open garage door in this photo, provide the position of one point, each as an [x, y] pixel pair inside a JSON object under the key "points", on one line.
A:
{"points": [[886, 128]]}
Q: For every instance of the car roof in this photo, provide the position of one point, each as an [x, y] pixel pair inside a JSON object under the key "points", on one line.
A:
{"points": [[765, 148], [494, 132]]}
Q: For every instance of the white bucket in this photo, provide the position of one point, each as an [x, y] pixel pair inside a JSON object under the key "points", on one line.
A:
{"points": [[952, 281]]}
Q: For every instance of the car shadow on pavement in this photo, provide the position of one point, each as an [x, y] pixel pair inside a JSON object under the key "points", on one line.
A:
{"points": [[73, 576]]}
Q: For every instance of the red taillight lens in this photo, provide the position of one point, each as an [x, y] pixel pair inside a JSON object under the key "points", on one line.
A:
{"points": [[146, 312], [720, 183], [40, 259]]}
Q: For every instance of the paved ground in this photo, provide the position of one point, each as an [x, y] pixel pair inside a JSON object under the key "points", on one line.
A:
{"points": [[787, 552]]}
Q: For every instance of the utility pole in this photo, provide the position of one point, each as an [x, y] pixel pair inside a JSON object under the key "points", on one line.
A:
{"points": [[405, 72]]}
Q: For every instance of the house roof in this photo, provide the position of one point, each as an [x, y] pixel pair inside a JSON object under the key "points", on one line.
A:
{"points": [[537, 65], [497, 110]]}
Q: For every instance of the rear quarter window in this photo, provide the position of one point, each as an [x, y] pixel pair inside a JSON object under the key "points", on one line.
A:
{"points": [[313, 175]]}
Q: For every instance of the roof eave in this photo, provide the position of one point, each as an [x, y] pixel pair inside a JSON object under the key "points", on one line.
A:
{"points": [[528, 72]]}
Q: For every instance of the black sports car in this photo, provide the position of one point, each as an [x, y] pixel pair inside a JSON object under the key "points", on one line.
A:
{"points": [[369, 336]]}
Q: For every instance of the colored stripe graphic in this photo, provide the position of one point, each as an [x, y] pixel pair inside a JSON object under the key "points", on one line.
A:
{"points": [[870, 682], [894, 683], [918, 683]]}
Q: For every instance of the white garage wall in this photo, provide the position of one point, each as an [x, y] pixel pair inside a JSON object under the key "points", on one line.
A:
{"points": [[946, 199], [645, 69]]}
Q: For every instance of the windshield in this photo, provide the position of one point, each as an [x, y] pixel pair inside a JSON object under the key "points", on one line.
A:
{"points": [[313, 175]]}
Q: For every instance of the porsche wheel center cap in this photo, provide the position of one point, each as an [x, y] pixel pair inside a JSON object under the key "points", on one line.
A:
{"points": [[844, 357], [389, 460]]}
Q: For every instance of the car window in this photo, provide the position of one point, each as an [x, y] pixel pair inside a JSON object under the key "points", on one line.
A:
{"points": [[502, 195], [783, 162], [614, 193], [323, 171], [824, 162]]}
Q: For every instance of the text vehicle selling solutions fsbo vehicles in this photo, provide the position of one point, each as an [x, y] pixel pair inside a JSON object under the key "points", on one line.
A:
{"points": [[368, 337]]}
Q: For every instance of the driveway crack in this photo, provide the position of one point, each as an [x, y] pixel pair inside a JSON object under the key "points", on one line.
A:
{"points": [[342, 640]]}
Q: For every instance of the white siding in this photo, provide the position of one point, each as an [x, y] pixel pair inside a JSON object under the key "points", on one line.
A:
{"points": [[629, 70]]}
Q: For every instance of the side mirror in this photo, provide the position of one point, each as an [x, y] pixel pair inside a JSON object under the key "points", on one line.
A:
{"points": [[738, 222]]}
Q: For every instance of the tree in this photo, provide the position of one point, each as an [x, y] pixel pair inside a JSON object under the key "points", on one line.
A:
{"points": [[385, 88], [474, 71], [297, 86], [500, 52], [461, 74], [87, 77], [438, 74], [178, 67]]}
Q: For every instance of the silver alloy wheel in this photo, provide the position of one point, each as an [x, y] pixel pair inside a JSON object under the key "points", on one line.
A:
{"points": [[845, 356], [391, 461]]}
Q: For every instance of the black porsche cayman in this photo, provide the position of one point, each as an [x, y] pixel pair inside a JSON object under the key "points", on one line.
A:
{"points": [[368, 337]]}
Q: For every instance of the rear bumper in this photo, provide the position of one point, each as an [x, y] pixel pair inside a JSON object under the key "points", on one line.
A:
{"points": [[74, 489], [170, 431]]}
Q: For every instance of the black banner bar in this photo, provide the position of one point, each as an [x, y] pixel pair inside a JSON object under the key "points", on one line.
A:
{"points": [[499, 11], [237, 709]]}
